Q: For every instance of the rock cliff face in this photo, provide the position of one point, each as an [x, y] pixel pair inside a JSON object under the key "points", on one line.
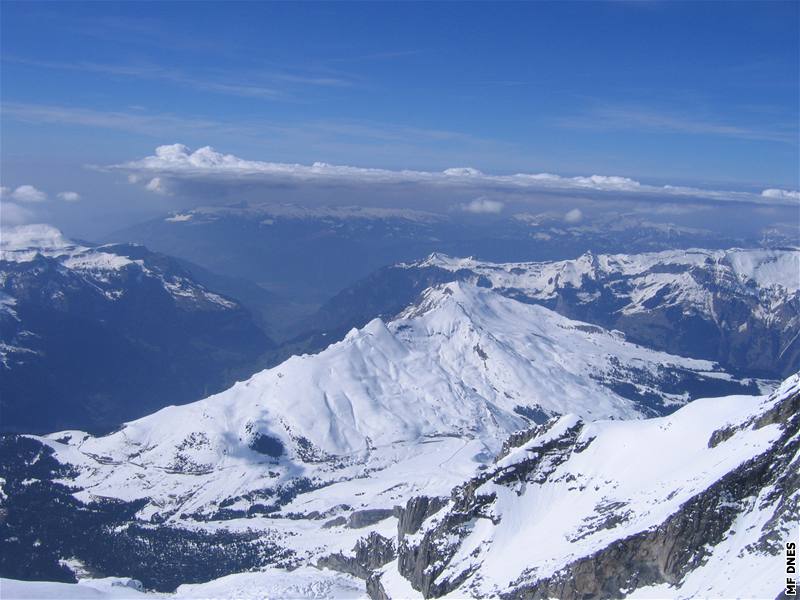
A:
{"points": [[369, 553], [578, 511]]}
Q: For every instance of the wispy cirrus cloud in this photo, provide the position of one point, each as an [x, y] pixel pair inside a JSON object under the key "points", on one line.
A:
{"points": [[636, 118], [131, 121], [320, 137], [268, 85]]}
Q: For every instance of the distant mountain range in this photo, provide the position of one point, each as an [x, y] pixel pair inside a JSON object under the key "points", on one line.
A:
{"points": [[93, 336], [306, 255], [738, 307]]}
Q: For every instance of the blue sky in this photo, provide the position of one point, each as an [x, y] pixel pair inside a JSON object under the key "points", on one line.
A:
{"points": [[666, 92]]}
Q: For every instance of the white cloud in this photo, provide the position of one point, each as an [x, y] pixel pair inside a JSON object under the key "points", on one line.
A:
{"points": [[156, 184], [12, 213], [483, 205], [39, 235], [177, 162], [781, 194], [69, 196], [23, 193], [573, 216]]}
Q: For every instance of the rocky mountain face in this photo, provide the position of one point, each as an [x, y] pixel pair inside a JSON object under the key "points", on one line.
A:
{"points": [[740, 308], [697, 504], [92, 336]]}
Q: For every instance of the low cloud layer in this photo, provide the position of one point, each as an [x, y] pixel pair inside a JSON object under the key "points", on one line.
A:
{"points": [[781, 194], [573, 216], [69, 196], [23, 193], [178, 163], [483, 205], [12, 214], [26, 203]]}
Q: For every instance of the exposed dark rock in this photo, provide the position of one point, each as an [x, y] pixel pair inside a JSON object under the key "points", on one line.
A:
{"points": [[267, 444], [516, 439], [370, 516], [416, 510], [369, 553], [375, 588], [533, 413], [336, 522], [721, 435]]}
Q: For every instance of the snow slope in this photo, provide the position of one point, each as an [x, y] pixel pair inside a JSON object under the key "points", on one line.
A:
{"points": [[327, 458], [463, 368], [274, 584], [695, 504]]}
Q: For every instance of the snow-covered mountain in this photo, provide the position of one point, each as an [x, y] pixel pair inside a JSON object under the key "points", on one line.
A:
{"points": [[738, 307], [91, 336], [298, 464], [464, 363], [696, 504], [420, 454]]}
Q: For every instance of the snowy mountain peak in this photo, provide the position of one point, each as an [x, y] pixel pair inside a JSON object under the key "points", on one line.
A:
{"points": [[465, 363]]}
